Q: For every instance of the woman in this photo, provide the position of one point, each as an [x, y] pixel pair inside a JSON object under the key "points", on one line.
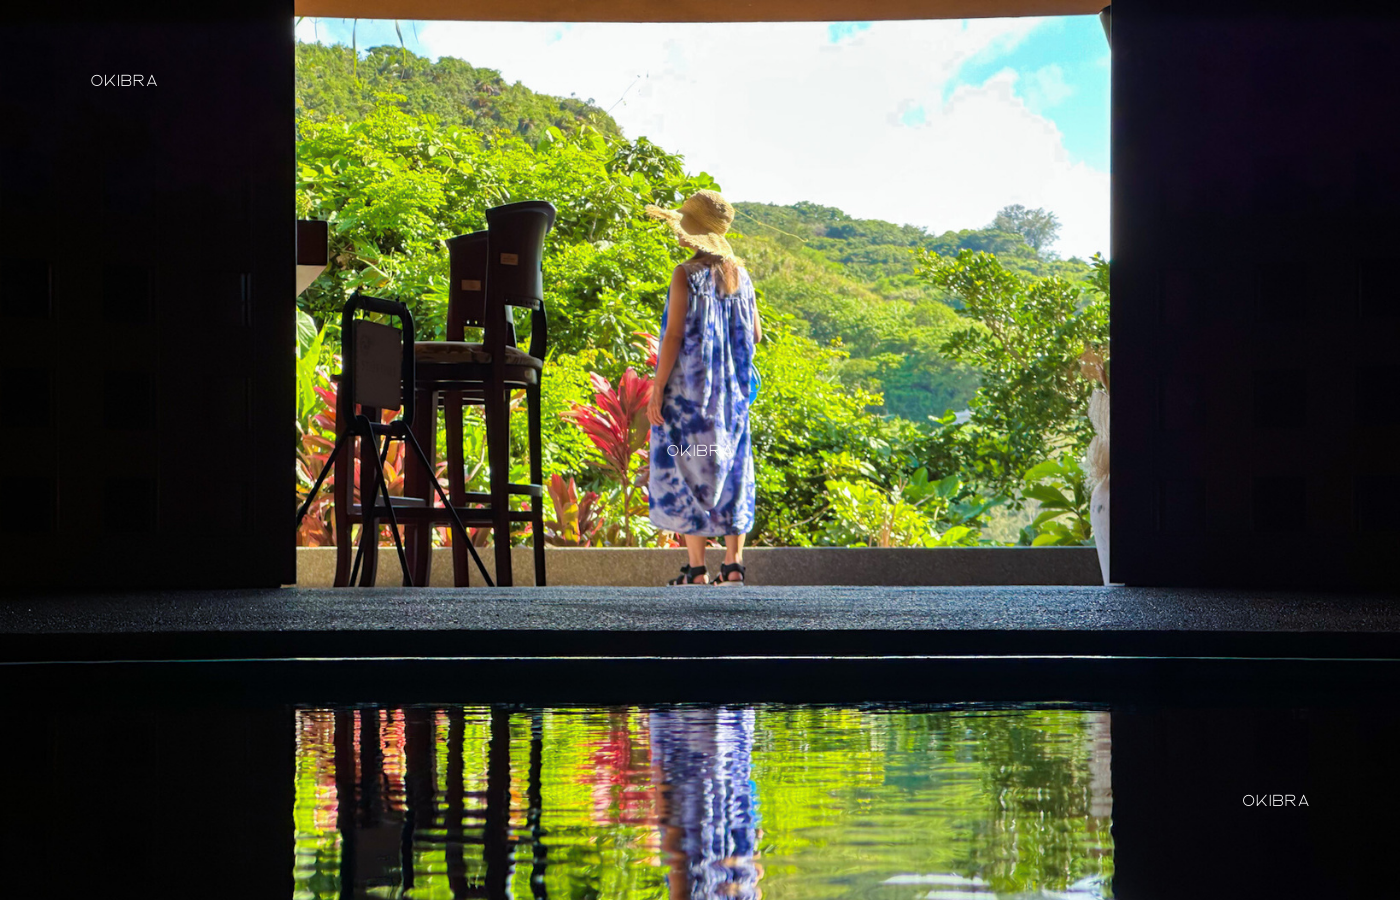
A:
{"points": [[701, 462]]}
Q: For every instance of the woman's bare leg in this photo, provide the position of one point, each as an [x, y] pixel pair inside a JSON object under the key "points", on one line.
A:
{"points": [[734, 552], [695, 549]]}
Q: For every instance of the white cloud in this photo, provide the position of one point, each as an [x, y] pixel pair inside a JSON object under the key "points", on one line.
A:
{"points": [[778, 113], [1046, 87]]}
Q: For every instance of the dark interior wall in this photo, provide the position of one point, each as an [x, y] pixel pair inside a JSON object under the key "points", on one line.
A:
{"points": [[159, 801], [146, 296], [1182, 826], [1256, 177]]}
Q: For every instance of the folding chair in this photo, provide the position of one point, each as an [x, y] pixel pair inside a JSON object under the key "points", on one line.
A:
{"points": [[378, 374]]}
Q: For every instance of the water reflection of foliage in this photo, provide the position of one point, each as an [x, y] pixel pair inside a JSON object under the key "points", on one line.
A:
{"points": [[1041, 826], [1001, 796], [847, 798]]}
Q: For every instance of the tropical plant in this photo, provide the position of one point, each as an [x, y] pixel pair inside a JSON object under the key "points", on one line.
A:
{"points": [[575, 522], [650, 345], [315, 426], [916, 512], [1058, 484], [616, 424]]}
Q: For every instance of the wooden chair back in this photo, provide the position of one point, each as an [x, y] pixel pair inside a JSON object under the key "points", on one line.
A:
{"points": [[466, 293], [515, 264]]}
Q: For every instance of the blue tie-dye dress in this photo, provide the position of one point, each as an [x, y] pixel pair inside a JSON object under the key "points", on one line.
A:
{"points": [[701, 459]]}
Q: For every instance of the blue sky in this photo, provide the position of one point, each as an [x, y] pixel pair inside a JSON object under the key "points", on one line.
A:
{"points": [[932, 123], [1072, 54]]}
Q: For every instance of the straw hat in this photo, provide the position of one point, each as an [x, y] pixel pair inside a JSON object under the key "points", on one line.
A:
{"points": [[700, 223]]}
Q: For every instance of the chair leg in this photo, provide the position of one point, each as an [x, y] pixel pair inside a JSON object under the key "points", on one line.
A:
{"points": [[418, 536], [532, 402], [498, 449], [461, 533], [367, 554], [456, 481], [342, 495], [383, 482]]}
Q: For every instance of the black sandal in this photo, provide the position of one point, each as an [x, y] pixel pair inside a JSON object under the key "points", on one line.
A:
{"points": [[688, 575], [726, 570]]}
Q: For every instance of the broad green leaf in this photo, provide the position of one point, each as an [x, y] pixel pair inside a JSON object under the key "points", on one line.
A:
{"points": [[954, 534], [375, 277], [1042, 470], [1048, 496], [306, 332]]}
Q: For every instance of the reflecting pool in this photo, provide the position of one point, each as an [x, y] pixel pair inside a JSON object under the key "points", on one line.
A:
{"points": [[703, 802]]}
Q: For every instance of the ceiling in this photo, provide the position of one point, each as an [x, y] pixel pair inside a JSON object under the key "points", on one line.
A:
{"points": [[675, 11]]}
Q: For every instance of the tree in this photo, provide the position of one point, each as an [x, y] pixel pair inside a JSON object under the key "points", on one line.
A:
{"points": [[1038, 227], [1025, 337]]}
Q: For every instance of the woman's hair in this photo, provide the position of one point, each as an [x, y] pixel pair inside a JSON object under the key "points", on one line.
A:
{"points": [[725, 269]]}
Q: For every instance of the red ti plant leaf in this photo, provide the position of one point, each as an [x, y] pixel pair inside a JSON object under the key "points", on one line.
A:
{"points": [[616, 423], [589, 521], [650, 344], [634, 393], [575, 521], [612, 423]]}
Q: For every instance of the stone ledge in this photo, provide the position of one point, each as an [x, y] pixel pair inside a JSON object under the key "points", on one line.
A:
{"points": [[778, 566]]}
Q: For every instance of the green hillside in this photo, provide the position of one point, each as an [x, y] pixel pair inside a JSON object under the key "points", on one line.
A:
{"points": [[880, 254], [853, 281], [331, 82]]}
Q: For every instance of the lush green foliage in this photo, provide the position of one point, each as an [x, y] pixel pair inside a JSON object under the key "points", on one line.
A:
{"points": [[857, 281], [1025, 337], [331, 82], [394, 186], [872, 329], [909, 515], [892, 345]]}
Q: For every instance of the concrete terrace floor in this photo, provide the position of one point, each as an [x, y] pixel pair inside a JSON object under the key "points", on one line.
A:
{"points": [[694, 622]]}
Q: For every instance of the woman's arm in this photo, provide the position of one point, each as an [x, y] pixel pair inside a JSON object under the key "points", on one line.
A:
{"points": [[671, 342]]}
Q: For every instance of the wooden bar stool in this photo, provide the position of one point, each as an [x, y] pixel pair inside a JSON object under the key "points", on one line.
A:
{"points": [[492, 272]]}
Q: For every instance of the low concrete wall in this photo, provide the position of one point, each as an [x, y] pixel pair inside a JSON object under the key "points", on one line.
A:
{"points": [[643, 567]]}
